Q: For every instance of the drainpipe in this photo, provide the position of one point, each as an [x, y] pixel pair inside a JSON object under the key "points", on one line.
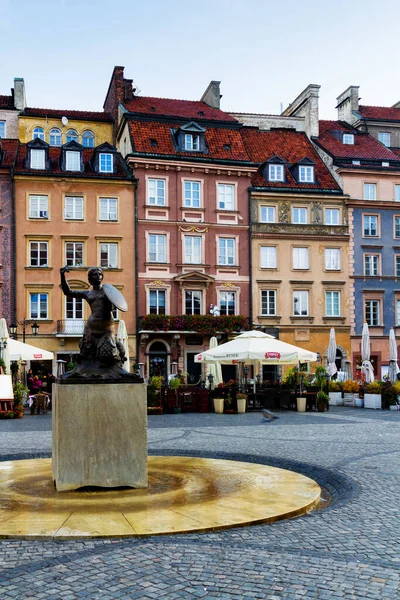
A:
{"points": [[13, 286], [250, 266], [136, 262]]}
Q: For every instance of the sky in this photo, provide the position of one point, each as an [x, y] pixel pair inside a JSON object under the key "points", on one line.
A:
{"points": [[264, 52]]}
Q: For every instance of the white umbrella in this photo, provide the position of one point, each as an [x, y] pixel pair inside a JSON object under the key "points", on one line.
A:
{"points": [[332, 368], [393, 366], [365, 355], [122, 336], [21, 351], [213, 369], [4, 341]]}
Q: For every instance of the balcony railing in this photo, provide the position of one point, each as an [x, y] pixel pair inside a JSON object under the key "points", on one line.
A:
{"points": [[202, 324], [70, 327]]}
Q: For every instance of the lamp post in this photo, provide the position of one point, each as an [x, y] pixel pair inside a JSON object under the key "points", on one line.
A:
{"points": [[210, 378], [24, 323]]}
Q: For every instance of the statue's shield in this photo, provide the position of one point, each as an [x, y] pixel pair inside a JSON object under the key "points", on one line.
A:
{"points": [[115, 297]]}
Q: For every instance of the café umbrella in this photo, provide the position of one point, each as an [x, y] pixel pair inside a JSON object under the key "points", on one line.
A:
{"points": [[4, 345], [366, 366], [393, 366], [213, 369], [21, 351], [331, 355], [122, 336]]}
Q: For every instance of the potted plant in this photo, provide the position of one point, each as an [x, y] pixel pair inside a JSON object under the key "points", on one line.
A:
{"points": [[373, 395], [228, 404], [20, 395], [322, 401], [174, 384], [396, 389], [241, 402], [154, 406], [350, 390], [335, 393]]}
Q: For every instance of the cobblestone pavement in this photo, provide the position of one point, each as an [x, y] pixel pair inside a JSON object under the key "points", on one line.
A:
{"points": [[350, 550]]}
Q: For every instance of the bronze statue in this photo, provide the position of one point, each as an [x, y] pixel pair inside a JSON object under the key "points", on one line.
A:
{"points": [[101, 355]]}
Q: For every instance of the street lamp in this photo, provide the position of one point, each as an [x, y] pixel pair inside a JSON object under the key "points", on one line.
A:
{"points": [[24, 323], [210, 378]]}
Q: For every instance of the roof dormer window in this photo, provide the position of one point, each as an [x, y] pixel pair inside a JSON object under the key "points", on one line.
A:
{"points": [[105, 159], [38, 159], [306, 174], [37, 155], [105, 162], [275, 172], [192, 142], [190, 138], [348, 138], [72, 160]]}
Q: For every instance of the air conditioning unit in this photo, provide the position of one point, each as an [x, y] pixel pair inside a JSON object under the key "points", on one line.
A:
{"points": [[43, 214]]}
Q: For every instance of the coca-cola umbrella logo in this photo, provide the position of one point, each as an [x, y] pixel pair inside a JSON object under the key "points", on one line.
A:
{"points": [[200, 357], [275, 355]]}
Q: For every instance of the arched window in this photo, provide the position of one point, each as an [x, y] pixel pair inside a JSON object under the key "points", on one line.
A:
{"points": [[88, 139], [55, 137], [158, 358], [72, 135], [38, 132]]}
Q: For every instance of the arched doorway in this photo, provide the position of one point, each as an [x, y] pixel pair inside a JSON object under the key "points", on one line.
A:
{"points": [[158, 359]]}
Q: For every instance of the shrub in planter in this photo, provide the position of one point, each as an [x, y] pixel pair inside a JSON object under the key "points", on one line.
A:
{"points": [[351, 387], [335, 386], [373, 388], [322, 401]]}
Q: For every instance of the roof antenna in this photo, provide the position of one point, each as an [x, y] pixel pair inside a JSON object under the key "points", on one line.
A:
{"points": [[281, 107]]}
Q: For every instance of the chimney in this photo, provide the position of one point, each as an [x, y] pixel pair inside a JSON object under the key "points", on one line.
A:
{"points": [[306, 105], [347, 103], [212, 95], [128, 89], [19, 93]]}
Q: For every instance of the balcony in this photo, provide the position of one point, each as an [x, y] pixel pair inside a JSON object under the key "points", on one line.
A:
{"points": [[201, 324], [70, 327]]}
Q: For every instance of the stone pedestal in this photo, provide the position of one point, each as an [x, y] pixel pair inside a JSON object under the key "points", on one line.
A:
{"points": [[99, 435]]}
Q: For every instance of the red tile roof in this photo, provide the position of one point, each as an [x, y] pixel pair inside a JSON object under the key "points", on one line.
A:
{"points": [[364, 147], [6, 102], [73, 114], [190, 109], [217, 139], [292, 147], [8, 152], [379, 113]]}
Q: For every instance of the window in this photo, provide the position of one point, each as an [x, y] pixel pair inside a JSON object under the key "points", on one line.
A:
{"points": [[2, 129], [268, 257], [268, 302], [299, 215], [267, 214], [73, 208], [348, 138], [38, 207], [55, 137], [275, 172], [74, 308], [109, 255], [37, 159], [156, 191], [226, 255], [332, 216], [108, 209], [397, 266], [300, 303], [332, 259], [397, 193], [384, 138], [157, 302], [356, 162], [38, 306], [192, 194], [372, 316], [369, 191], [332, 304], [192, 249], [38, 133], [193, 302], [106, 163], [88, 139], [73, 160], [370, 225], [306, 174], [71, 136], [371, 264], [38, 253], [227, 303], [226, 196], [398, 312], [157, 248], [300, 258], [192, 142], [397, 227], [74, 254]]}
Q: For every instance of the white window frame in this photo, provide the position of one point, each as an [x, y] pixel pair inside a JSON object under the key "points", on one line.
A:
{"points": [[226, 201], [332, 307], [370, 190], [73, 208], [268, 300], [398, 312], [157, 293], [76, 307], [3, 129], [74, 262], [71, 138], [194, 293], [42, 297], [72, 160], [301, 258], [38, 159], [348, 138], [267, 214], [108, 209], [106, 162], [111, 249], [189, 192], [38, 133], [306, 174], [55, 137], [275, 172], [192, 249], [332, 259], [156, 191], [384, 138], [159, 242], [369, 219], [38, 207], [372, 308], [329, 213], [371, 264], [396, 226], [299, 215], [303, 299], [397, 265], [397, 192], [192, 142], [38, 246], [268, 257], [226, 298], [88, 135], [226, 251]]}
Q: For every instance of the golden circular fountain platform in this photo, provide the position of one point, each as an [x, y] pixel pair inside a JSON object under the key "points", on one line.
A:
{"points": [[185, 494]]}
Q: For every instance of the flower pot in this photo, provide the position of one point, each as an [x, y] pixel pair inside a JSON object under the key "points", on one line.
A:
{"points": [[348, 399], [394, 407], [219, 405], [373, 401], [301, 404], [321, 406], [241, 405], [359, 402], [335, 399]]}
